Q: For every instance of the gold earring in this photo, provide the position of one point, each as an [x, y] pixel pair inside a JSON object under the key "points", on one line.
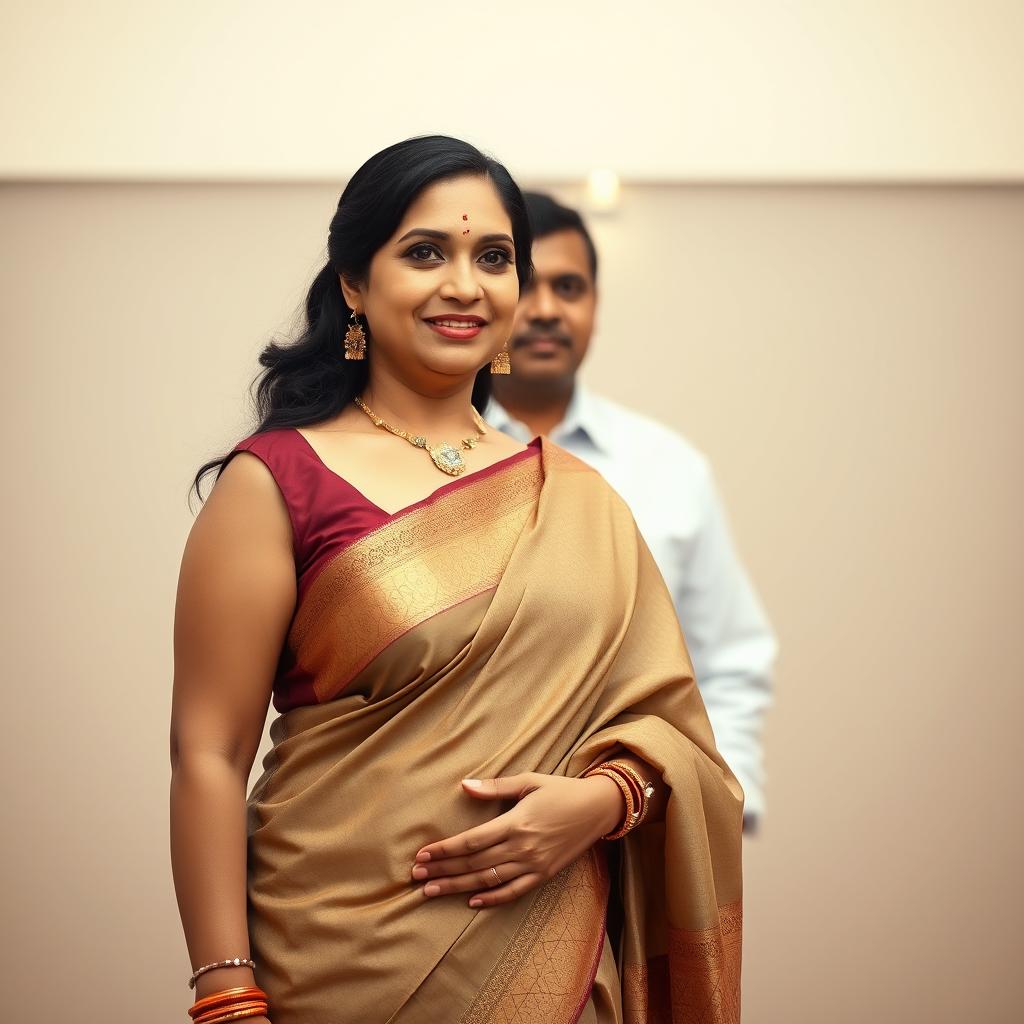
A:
{"points": [[500, 363], [355, 339]]}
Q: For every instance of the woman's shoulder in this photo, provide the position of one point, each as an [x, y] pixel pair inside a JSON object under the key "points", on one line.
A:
{"points": [[270, 442], [262, 473], [559, 460], [283, 451], [279, 473]]}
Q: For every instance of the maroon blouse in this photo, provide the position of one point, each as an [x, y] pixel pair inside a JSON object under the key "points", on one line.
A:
{"points": [[327, 515]]}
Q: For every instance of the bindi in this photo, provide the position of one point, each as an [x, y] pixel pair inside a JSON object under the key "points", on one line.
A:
{"points": [[465, 216]]}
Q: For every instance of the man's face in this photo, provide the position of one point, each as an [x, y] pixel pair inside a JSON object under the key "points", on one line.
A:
{"points": [[555, 315]]}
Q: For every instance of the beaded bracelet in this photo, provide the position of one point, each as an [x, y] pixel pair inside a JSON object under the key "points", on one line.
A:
{"points": [[239, 961]]}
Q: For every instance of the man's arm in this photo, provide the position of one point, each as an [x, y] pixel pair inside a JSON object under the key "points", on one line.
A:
{"points": [[731, 644]]}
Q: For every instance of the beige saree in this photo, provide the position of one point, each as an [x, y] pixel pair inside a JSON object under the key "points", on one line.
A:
{"points": [[513, 623]]}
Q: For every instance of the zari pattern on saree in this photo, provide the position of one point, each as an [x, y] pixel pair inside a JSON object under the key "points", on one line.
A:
{"points": [[415, 566]]}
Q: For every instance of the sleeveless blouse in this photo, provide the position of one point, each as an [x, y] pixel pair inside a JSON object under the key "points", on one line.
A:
{"points": [[327, 514]]}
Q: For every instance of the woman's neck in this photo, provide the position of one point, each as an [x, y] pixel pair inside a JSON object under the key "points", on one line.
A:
{"points": [[417, 411]]}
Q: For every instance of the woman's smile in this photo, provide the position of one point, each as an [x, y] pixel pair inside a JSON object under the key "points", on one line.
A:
{"points": [[458, 327]]}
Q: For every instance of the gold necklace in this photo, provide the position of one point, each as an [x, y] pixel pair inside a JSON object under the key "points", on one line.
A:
{"points": [[445, 456]]}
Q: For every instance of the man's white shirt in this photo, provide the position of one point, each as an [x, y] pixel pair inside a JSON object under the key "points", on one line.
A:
{"points": [[669, 488]]}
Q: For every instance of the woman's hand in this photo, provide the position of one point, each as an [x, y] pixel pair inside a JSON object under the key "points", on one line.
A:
{"points": [[553, 822]]}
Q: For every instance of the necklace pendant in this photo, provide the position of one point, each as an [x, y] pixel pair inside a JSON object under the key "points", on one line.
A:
{"points": [[469, 443], [447, 459]]}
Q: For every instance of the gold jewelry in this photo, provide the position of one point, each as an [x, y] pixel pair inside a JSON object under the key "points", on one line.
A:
{"points": [[630, 817], [355, 339], [635, 791], [445, 456], [497, 877], [644, 789], [500, 363]]}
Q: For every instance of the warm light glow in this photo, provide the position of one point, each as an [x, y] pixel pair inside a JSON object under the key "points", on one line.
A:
{"points": [[603, 189]]}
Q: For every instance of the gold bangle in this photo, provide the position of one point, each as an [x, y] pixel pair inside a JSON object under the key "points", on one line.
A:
{"points": [[646, 788], [629, 820]]}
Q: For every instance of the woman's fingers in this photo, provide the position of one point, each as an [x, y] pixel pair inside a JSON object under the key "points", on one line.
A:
{"points": [[449, 866], [492, 878], [510, 787], [467, 843], [509, 891]]}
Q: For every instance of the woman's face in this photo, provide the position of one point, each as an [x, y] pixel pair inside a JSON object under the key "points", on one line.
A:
{"points": [[441, 293]]}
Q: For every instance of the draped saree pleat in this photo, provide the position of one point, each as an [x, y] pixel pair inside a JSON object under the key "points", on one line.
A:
{"points": [[515, 623]]}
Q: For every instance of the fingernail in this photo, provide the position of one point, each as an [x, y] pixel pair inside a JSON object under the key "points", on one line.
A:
{"points": [[431, 890], [422, 857], [419, 871], [472, 783], [474, 902]]}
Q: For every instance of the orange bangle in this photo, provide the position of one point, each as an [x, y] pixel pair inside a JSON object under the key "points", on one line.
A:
{"points": [[238, 1004], [256, 1006], [225, 998], [259, 1010]]}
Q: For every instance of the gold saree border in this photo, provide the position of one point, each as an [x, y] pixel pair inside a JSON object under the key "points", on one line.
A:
{"points": [[697, 982], [545, 974], [414, 567]]}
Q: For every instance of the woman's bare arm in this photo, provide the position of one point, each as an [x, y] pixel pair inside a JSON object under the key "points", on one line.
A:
{"points": [[236, 597]]}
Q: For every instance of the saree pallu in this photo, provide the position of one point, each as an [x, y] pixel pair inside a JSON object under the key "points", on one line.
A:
{"points": [[515, 623]]}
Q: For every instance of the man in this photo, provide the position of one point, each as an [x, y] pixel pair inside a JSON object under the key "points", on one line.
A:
{"points": [[666, 482]]}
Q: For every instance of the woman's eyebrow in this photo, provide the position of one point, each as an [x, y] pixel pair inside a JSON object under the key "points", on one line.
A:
{"points": [[443, 236], [426, 232]]}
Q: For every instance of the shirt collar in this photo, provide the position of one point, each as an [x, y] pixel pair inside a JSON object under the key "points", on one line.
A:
{"points": [[583, 416]]}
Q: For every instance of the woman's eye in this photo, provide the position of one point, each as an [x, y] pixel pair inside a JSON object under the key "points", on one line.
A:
{"points": [[423, 252], [496, 258]]}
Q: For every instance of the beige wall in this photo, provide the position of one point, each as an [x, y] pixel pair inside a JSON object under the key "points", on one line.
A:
{"points": [[659, 90], [852, 361]]}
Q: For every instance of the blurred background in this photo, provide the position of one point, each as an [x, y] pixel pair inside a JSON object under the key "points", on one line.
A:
{"points": [[810, 217]]}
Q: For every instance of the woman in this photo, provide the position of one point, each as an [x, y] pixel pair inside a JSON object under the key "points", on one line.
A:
{"points": [[494, 794]]}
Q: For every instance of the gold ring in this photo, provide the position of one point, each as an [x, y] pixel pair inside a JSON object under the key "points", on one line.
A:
{"points": [[497, 877]]}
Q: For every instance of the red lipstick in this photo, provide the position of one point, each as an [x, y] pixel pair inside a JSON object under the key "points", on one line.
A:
{"points": [[456, 326]]}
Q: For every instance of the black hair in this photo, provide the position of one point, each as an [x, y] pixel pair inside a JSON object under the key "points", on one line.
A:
{"points": [[548, 216], [308, 380]]}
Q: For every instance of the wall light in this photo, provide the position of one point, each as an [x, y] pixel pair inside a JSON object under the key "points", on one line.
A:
{"points": [[603, 190]]}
